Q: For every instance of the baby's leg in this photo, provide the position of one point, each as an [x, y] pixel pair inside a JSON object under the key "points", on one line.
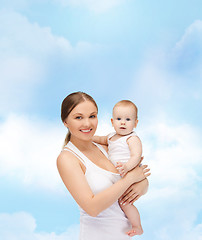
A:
{"points": [[134, 217]]}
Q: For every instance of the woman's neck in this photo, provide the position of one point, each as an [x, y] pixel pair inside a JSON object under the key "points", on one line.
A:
{"points": [[82, 145]]}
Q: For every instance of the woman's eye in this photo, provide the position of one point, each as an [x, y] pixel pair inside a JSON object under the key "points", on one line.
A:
{"points": [[127, 119], [92, 116], [79, 117]]}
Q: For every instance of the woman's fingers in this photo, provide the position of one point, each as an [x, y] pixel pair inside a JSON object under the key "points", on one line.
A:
{"points": [[147, 175], [146, 172], [136, 198], [126, 192], [126, 195], [129, 199], [129, 196]]}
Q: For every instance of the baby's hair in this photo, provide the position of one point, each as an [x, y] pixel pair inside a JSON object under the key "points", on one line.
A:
{"points": [[126, 103]]}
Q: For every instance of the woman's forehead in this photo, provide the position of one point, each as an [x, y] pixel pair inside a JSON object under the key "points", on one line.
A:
{"points": [[85, 107]]}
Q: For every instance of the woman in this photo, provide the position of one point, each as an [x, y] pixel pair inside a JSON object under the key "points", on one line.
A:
{"points": [[91, 178]]}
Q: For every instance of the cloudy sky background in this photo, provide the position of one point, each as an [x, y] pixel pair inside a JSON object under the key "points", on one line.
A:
{"points": [[147, 51]]}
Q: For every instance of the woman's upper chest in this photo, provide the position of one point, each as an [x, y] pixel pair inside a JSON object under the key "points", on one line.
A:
{"points": [[99, 159]]}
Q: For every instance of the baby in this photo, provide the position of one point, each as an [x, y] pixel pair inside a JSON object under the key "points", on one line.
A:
{"points": [[125, 151]]}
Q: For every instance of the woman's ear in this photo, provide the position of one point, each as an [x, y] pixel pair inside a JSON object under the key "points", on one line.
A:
{"points": [[65, 123]]}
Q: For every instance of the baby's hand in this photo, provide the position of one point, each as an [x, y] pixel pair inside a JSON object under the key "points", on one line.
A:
{"points": [[122, 168]]}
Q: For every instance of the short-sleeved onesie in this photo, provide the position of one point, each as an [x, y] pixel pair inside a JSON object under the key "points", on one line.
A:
{"points": [[118, 150]]}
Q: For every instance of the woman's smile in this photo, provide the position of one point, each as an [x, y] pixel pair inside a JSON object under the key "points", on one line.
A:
{"points": [[86, 130]]}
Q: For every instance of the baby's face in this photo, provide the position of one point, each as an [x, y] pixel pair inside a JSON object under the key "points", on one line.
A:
{"points": [[124, 119]]}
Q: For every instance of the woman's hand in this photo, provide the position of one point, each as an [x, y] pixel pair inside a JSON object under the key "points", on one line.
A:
{"points": [[134, 192], [138, 174]]}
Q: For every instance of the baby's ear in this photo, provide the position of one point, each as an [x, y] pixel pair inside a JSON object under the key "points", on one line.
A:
{"points": [[112, 121], [136, 122]]}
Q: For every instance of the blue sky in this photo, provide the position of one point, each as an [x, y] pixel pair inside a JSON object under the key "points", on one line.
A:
{"points": [[148, 52]]}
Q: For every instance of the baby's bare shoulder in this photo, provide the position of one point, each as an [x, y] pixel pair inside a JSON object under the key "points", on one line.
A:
{"points": [[133, 140]]}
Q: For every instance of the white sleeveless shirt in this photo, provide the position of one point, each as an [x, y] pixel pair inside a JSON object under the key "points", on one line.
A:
{"points": [[110, 224], [118, 150]]}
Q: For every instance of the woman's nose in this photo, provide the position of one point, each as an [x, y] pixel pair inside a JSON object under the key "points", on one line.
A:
{"points": [[86, 122]]}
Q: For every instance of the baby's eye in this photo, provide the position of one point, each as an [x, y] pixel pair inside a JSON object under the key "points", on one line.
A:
{"points": [[118, 119], [78, 117], [127, 119]]}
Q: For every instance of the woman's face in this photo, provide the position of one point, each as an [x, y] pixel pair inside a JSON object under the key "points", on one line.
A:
{"points": [[82, 121]]}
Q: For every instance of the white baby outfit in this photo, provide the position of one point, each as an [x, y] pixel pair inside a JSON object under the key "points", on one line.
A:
{"points": [[110, 224], [118, 150]]}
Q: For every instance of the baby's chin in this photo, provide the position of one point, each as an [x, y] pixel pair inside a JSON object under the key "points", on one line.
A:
{"points": [[123, 134]]}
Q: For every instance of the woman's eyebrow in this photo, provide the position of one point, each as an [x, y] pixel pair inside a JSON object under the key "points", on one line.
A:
{"points": [[77, 114]]}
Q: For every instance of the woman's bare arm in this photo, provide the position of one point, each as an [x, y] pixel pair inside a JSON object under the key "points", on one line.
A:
{"points": [[74, 179]]}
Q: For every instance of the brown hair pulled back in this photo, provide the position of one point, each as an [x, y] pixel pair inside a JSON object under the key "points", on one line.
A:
{"points": [[69, 103]]}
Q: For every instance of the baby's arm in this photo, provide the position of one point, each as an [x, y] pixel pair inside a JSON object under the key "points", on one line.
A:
{"points": [[135, 147], [100, 140]]}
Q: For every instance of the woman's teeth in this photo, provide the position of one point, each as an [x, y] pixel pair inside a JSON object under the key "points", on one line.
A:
{"points": [[86, 130]]}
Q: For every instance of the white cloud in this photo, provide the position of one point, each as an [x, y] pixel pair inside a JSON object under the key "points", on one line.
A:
{"points": [[192, 36], [22, 226], [29, 150], [98, 6], [28, 53], [174, 154], [187, 54], [173, 203], [15, 4], [152, 81], [170, 76], [24, 52], [21, 37]]}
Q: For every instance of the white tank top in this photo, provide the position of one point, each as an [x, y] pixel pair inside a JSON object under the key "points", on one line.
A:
{"points": [[110, 224], [118, 150]]}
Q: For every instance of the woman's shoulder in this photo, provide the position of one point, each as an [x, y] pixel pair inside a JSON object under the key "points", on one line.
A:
{"points": [[66, 158]]}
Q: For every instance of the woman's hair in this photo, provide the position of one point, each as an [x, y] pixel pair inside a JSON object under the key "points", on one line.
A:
{"points": [[69, 103]]}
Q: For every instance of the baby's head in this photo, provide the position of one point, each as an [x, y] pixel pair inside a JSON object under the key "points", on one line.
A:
{"points": [[124, 117]]}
